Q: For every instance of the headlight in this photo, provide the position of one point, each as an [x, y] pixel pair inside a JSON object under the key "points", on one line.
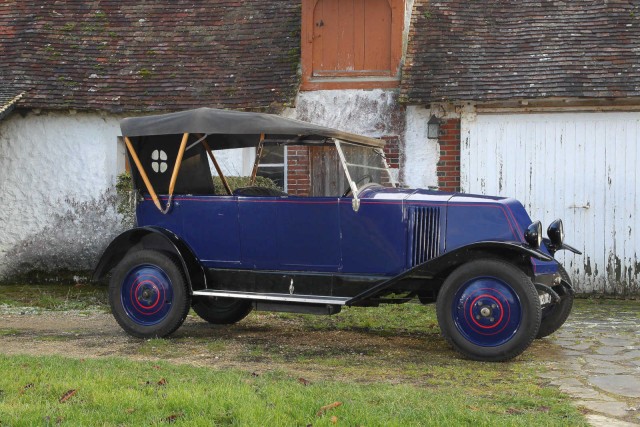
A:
{"points": [[556, 233], [533, 235]]}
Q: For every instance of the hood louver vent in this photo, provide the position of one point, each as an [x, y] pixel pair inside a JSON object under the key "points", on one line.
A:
{"points": [[424, 234]]}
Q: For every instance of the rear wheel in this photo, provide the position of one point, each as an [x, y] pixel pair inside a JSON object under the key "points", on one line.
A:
{"points": [[554, 316], [148, 294], [488, 310], [221, 311]]}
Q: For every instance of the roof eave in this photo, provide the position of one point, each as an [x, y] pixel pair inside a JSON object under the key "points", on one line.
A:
{"points": [[7, 107]]}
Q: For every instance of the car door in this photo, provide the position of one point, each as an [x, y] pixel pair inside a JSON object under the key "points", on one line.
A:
{"points": [[290, 233], [308, 234], [258, 232], [373, 237], [211, 228]]}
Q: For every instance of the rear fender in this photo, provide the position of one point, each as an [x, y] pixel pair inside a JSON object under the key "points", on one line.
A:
{"points": [[152, 238]]}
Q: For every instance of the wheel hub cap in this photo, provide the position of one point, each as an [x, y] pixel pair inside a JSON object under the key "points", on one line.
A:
{"points": [[147, 294], [487, 311]]}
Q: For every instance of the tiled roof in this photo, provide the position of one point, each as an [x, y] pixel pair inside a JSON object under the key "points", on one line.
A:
{"points": [[143, 55], [504, 49]]}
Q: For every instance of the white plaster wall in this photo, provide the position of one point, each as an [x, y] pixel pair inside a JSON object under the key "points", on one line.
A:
{"points": [[373, 113], [57, 174], [420, 153], [235, 162]]}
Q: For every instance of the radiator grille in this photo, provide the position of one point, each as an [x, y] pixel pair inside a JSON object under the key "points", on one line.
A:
{"points": [[424, 234]]}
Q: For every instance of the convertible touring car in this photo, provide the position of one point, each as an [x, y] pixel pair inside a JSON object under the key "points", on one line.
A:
{"points": [[481, 260]]}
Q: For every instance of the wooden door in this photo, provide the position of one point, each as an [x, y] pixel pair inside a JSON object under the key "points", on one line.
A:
{"points": [[352, 38], [328, 178]]}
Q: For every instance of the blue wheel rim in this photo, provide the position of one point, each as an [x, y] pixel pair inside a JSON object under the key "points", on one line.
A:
{"points": [[147, 294], [487, 311]]}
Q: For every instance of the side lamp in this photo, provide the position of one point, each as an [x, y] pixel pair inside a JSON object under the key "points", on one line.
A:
{"points": [[433, 128]]}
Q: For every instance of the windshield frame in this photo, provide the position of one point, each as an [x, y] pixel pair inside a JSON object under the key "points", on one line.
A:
{"points": [[345, 167]]}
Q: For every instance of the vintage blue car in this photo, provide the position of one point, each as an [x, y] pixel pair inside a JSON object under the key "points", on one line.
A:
{"points": [[481, 259]]}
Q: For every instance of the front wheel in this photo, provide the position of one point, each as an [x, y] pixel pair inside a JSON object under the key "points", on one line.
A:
{"points": [[488, 310], [148, 294]]}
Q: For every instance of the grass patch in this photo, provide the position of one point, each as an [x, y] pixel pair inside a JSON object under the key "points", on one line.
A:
{"points": [[157, 347], [215, 346], [597, 301], [392, 318], [55, 297], [600, 308], [119, 392], [181, 347]]}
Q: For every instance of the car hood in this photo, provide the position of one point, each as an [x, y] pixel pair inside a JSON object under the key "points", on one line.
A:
{"points": [[513, 210]]}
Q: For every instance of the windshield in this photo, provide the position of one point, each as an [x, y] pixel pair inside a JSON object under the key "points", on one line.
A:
{"points": [[367, 165]]}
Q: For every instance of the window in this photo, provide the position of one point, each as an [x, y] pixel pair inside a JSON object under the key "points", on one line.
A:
{"points": [[351, 43], [272, 165], [158, 154]]}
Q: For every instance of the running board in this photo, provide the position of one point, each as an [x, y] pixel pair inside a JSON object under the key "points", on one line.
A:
{"points": [[300, 299]]}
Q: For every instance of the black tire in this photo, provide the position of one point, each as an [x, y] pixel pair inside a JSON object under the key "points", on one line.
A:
{"points": [[488, 310], [554, 316], [148, 294], [221, 311]]}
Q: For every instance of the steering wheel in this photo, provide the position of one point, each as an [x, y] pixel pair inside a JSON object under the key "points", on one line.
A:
{"points": [[362, 180]]}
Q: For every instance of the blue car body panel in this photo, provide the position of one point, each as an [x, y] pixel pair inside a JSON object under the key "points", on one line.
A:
{"points": [[258, 233], [206, 223], [315, 223], [392, 231], [373, 238]]}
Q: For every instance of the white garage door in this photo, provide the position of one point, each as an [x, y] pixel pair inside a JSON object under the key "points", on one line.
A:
{"points": [[581, 167]]}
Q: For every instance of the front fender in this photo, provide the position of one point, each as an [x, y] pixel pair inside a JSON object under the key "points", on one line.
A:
{"points": [[152, 238], [461, 254], [439, 265]]}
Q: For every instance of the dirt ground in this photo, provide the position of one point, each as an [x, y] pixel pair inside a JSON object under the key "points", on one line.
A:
{"points": [[262, 342]]}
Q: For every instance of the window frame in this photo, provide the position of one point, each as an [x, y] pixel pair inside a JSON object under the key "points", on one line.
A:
{"points": [[278, 165]]}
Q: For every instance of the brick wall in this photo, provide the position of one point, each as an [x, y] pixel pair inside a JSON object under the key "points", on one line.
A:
{"points": [[298, 170], [299, 165], [392, 151], [448, 167]]}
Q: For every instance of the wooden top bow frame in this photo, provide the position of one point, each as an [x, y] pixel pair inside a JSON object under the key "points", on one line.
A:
{"points": [[176, 168]]}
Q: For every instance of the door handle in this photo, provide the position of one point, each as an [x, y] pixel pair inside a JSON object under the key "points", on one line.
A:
{"points": [[587, 206]]}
